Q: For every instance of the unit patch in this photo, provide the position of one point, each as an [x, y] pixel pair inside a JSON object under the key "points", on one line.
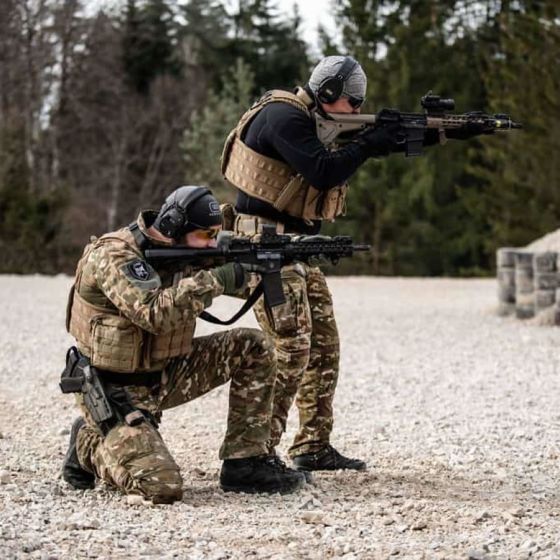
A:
{"points": [[139, 270], [142, 275]]}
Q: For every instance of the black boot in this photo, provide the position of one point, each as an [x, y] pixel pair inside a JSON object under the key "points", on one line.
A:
{"points": [[308, 476], [72, 471], [327, 459], [259, 474]]}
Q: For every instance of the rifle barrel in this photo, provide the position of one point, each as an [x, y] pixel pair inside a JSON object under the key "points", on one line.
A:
{"points": [[181, 253]]}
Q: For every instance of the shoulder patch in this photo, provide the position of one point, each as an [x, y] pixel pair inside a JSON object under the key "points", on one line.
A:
{"points": [[141, 274], [139, 270]]}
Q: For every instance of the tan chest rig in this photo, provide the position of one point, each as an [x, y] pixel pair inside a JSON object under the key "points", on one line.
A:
{"points": [[273, 181], [111, 340]]}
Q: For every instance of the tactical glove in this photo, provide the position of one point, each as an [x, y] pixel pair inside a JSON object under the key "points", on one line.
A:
{"points": [[431, 137], [383, 140], [232, 276], [470, 130]]}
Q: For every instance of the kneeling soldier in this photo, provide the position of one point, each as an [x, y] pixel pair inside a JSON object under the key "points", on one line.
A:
{"points": [[136, 356]]}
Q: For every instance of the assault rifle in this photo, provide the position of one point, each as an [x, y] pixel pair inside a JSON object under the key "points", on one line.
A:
{"points": [[266, 256], [342, 127]]}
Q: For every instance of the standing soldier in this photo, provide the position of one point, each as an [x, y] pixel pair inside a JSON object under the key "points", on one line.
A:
{"points": [[134, 328], [285, 176]]}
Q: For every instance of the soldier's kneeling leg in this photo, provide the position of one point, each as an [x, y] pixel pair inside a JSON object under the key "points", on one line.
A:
{"points": [[134, 459]]}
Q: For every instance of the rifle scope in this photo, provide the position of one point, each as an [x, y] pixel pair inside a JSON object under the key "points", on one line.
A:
{"points": [[434, 103]]}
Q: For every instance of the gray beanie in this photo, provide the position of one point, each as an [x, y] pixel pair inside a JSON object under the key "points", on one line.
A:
{"points": [[354, 86]]}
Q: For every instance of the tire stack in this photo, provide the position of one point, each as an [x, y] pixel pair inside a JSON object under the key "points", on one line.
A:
{"points": [[545, 267], [524, 285], [529, 283], [505, 261]]}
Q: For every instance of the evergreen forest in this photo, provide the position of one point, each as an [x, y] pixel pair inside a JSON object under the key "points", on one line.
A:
{"points": [[107, 107]]}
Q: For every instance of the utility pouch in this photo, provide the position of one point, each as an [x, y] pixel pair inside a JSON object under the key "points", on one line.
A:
{"points": [[324, 205], [228, 216], [116, 343], [282, 319]]}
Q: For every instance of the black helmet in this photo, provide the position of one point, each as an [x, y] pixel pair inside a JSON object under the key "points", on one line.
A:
{"points": [[186, 209]]}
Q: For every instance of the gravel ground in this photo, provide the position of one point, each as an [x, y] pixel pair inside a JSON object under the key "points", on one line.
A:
{"points": [[456, 411]]}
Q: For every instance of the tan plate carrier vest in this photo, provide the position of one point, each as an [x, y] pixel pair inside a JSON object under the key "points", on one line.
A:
{"points": [[111, 340], [273, 181]]}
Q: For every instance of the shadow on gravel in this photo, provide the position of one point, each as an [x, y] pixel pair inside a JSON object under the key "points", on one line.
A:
{"points": [[386, 484]]}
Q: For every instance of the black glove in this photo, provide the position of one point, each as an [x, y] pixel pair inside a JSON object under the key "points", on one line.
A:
{"points": [[470, 130], [383, 139], [431, 137], [232, 276]]}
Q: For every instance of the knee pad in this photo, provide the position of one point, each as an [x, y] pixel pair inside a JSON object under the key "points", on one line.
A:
{"points": [[136, 460]]}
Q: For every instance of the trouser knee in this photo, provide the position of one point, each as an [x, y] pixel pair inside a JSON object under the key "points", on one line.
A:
{"points": [[160, 481], [136, 460], [264, 346], [163, 488], [259, 351]]}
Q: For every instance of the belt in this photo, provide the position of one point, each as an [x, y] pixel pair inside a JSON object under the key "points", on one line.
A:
{"points": [[142, 379]]}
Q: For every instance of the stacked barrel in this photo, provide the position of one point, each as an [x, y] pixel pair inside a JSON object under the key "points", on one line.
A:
{"points": [[505, 258], [527, 282], [546, 279], [524, 285]]}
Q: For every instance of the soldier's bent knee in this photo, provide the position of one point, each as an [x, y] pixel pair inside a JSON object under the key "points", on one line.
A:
{"points": [[162, 487], [261, 346], [136, 459], [156, 476]]}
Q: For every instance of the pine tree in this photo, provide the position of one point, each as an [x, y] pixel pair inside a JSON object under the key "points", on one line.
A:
{"points": [[520, 46], [269, 44], [149, 43], [412, 210]]}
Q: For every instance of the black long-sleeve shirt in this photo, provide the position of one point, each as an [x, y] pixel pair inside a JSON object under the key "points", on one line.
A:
{"points": [[285, 133]]}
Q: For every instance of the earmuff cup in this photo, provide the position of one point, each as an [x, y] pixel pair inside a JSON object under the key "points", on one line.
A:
{"points": [[174, 220], [172, 223], [331, 88]]}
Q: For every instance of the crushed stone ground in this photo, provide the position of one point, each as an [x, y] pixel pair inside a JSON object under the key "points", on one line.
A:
{"points": [[456, 410]]}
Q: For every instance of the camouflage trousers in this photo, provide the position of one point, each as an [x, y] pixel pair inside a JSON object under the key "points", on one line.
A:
{"points": [[135, 458], [307, 349]]}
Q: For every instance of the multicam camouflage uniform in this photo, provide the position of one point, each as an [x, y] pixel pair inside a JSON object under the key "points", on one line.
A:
{"points": [[304, 331], [307, 350], [134, 458]]}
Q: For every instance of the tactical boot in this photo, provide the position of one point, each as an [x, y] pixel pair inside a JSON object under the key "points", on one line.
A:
{"points": [[259, 474], [308, 476], [327, 459], [72, 471]]}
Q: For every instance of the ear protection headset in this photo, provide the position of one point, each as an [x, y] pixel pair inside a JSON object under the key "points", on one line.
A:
{"points": [[173, 220], [331, 88]]}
